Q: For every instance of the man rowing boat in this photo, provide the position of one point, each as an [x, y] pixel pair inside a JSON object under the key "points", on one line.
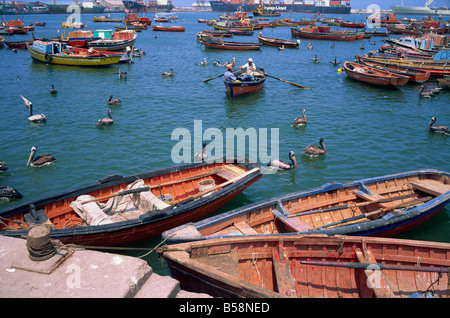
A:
{"points": [[229, 76]]}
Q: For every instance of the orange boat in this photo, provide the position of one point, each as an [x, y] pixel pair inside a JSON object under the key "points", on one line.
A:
{"points": [[238, 88], [168, 28], [370, 75], [298, 266]]}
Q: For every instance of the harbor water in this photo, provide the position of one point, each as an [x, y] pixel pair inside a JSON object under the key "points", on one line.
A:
{"points": [[368, 131]]}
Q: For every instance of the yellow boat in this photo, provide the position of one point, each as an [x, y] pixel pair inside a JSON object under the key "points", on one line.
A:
{"points": [[59, 53]]}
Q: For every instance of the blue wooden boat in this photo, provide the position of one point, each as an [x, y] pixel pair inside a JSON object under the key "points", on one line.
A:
{"points": [[381, 206]]}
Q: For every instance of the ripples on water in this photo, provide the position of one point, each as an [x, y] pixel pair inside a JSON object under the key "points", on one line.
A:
{"points": [[368, 131]]}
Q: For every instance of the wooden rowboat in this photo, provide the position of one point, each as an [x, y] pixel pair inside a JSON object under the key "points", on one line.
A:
{"points": [[224, 45], [324, 33], [224, 33], [238, 88], [277, 42], [415, 75], [18, 44], [374, 76], [168, 28], [40, 23], [381, 206], [347, 24], [297, 266], [240, 32], [83, 216]]}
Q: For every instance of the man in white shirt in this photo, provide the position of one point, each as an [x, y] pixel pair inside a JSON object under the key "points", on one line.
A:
{"points": [[249, 69]]}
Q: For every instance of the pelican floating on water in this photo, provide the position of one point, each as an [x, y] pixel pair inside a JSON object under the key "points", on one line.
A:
{"points": [[437, 129], [200, 156], [301, 121], [168, 74], [310, 47], [34, 118], [281, 48], [7, 192], [3, 167], [313, 150], [203, 62], [121, 74], [114, 101], [106, 121], [53, 90], [40, 160], [284, 165], [315, 59]]}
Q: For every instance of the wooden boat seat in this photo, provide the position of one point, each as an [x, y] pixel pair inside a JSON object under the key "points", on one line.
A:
{"points": [[229, 172], [245, 228], [373, 197], [295, 223], [431, 187]]}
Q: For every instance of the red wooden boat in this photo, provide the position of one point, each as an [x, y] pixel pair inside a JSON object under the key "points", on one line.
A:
{"points": [[402, 30], [168, 28], [224, 45], [277, 42], [143, 209], [145, 20], [201, 20], [347, 24], [299, 266], [324, 33], [238, 88], [415, 75], [40, 23], [370, 75]]}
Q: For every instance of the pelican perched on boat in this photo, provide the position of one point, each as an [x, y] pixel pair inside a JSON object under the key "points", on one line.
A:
{"points": [[40, 160], [335, 62], [53, 90], [33, 118], [313, 150], [203, 62], [7, 192], [284, 165], [437, 129], [106, 121], [168, 74], [301, 121], [114, 101]]}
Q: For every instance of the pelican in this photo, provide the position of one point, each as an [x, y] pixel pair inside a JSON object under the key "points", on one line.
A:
{"points": [[114, 101], [437, 129], [298, 41], [201, 156], [332, 46], [281, 48], [34, 118], [313, 150], [284, 165], [310, 47], [335, 62], [3, 167], [7, 192], [41, 160], [53, 90], [315, 59], [106, 121], [203, 62], [168, 74], [121, 74], [427, 93], [217, 63], [301, 121]]}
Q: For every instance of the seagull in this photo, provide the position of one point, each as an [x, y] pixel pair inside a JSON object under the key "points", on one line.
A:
{"points": [[437, 129], [106, 121], [53, 90], [114, 101], [315, 59], [33, 118], [313, 150], [301, 121], [203, 62], [284, 165], [41, 160], [168, 74]]}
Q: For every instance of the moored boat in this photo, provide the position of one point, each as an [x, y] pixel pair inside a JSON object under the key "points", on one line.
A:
{"points": [[277, 42], [300, 266], [224, 33], [119, 41], [227, 45], [324, 33], [347, 24], [81, 38], [52, 52], [18, 44], [104, 18], [374, 76], [139, 206], [240, 32], [168, 28], [40, 23], [137, 27], [415, 75], [238, 88], [380, 206]]}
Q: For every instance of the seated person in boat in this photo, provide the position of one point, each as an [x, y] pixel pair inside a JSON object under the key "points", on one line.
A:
{"points": [[249, 69], [229, 76]]}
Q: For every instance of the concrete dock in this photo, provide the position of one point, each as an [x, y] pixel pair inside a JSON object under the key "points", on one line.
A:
{"points": [[78, 273]]}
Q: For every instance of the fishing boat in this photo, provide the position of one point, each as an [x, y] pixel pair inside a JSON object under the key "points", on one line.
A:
{"points": [[347, 24], [227, 45], [81, 38], [282, 23], [415, 75], [119, 41], [277, 42], [52, 52], [240, 32], [224, 25], [104, 18], [323, 33], [138, 27], [123, 209], [402, 29], [374, 76], [302, 266], [224, 33], [238, 88], [18, 44], [40, 23], [381, 206], [173, 28]]}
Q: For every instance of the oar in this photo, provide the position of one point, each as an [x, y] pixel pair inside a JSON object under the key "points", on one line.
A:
{"points": [[294, 84], [377, 266], [346, 206], [366, 215], [206, 81]]}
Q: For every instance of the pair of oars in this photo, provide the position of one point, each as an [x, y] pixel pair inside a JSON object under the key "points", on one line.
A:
{"points": [[294, 84]]}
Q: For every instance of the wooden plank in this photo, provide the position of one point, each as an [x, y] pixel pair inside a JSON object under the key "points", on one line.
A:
{"points": [[430, 186], [294, 223], [373, 197], [285, 282], [245, 228]]}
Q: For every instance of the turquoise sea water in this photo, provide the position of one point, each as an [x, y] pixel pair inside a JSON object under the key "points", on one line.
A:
{"points": [[368, 131]]}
